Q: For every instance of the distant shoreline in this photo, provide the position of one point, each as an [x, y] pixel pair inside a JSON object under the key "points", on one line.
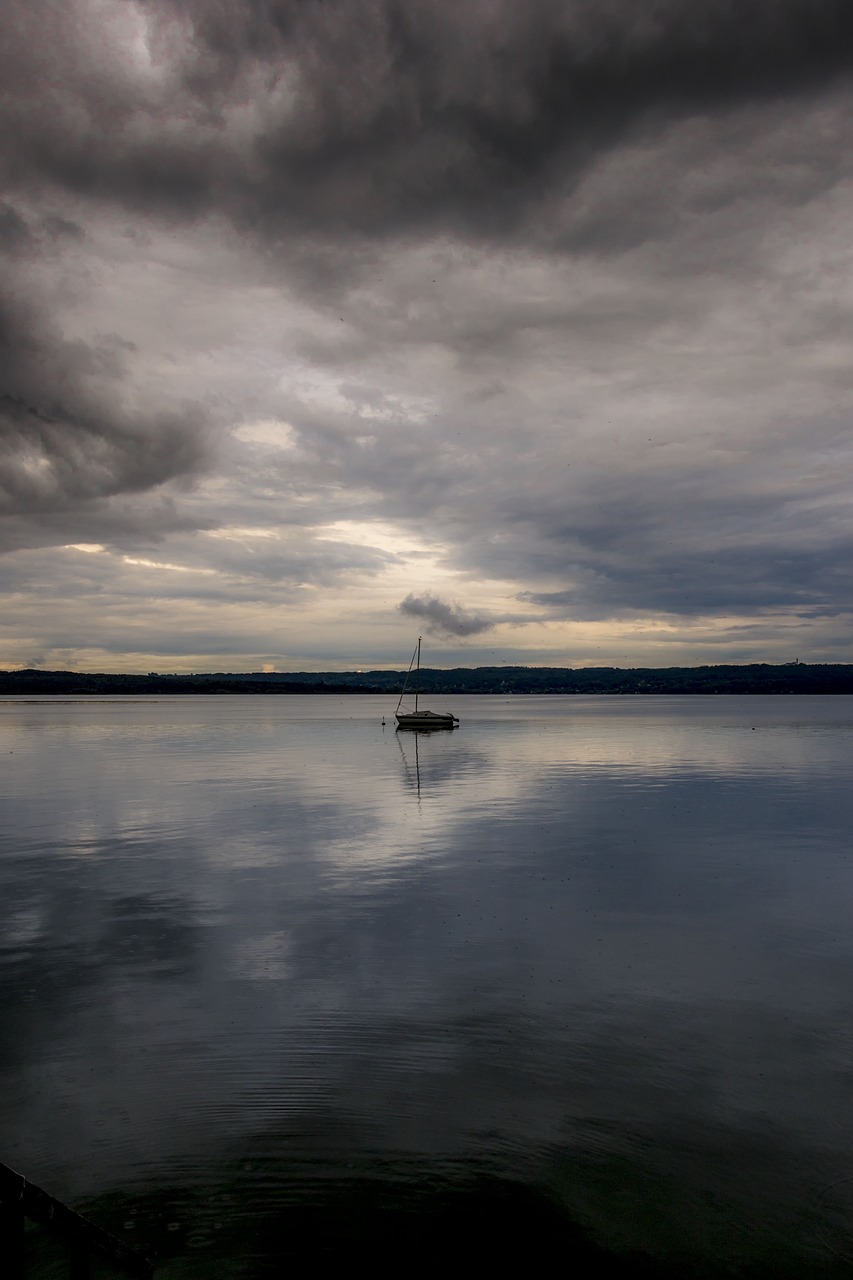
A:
{"points": [[752, 678]]}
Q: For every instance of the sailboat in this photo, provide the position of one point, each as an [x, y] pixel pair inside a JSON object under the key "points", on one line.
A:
{"points": [[418, 719]]}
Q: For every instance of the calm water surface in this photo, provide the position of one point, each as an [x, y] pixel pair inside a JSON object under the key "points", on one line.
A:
{"points": [[280, 986]]}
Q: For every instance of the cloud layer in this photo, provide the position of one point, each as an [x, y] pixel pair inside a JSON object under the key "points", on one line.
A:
{"points": [[310, 309]]}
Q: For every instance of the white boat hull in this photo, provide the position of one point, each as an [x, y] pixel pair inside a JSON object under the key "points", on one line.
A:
{"points": [[425, 720]]}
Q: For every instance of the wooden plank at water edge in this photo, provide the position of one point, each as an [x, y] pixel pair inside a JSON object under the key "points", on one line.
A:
{"points": [[20, 1198]]}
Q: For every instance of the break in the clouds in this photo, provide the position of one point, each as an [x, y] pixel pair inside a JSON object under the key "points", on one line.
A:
{"points": [[310, 308]]}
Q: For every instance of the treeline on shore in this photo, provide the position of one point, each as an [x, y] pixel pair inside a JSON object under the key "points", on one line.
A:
{"points": [[759, 677]]}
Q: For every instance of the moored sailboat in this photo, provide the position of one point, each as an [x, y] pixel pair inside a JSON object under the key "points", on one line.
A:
{"points": [[417, 718]]}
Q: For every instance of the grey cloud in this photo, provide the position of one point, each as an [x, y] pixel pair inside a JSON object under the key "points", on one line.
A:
{"points": [[695, 529], [695, 526], [386, 116], [66, 438], [125, 522], [494, 251], [672, 543], [14, 231], [713, 580], [21, 235], [411, 116], [188, 569], [444, 619]]}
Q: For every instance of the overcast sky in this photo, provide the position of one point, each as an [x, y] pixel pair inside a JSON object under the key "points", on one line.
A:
{"points": [[525, 324]]}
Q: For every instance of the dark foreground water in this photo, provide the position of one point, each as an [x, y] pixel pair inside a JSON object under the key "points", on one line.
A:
{"points": [[282, 988]]}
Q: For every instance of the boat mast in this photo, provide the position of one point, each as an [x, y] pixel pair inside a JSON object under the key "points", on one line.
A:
{"points": [[418, 676], [416, 654]]}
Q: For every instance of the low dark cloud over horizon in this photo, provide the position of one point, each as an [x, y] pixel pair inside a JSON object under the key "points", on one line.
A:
{"points": [[525, 323]]}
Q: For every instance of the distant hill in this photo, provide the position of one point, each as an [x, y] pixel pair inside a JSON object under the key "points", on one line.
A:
{"points": [[758, 677]]}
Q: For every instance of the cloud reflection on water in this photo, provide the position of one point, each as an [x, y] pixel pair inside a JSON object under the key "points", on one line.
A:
{"points": [[245, 931]]}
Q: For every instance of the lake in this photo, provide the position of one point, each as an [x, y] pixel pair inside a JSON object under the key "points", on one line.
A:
{"points": [[284, 988]]}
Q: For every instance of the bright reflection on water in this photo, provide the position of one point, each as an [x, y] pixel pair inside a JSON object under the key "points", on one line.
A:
{"points": [[280, 985]]}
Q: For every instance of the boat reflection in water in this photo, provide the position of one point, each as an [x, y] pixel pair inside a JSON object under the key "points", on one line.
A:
{"points": [[416, 732], [422, 721]]}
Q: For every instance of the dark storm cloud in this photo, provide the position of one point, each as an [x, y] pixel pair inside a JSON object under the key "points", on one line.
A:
{"points": [[14, 232], [137, 520], [66, 439], [384, 115], [746, 581], [444, 619], [715, 544], [459, 262], [22, 236]]}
